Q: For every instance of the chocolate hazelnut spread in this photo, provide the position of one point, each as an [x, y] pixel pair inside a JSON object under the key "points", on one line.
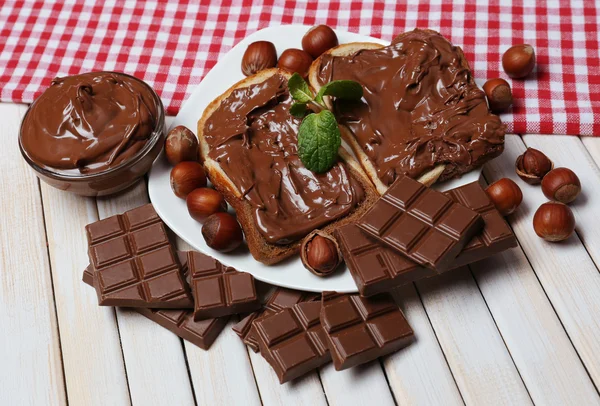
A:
{"points": [[87, 123], [254, 138], [420, 108]]}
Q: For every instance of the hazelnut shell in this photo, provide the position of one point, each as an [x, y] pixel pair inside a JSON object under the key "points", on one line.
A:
{"points": [[533, 177], [318, 40], [554, 221], [295, 60], [181, 145], [258, 56], [305, 256], [561, 185]]}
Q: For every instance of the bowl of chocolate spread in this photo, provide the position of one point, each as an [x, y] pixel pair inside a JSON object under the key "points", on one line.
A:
{"points": [[93, 134]]}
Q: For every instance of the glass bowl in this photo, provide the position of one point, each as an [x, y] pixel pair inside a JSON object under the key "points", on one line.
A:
{"points": [[111, 180]]}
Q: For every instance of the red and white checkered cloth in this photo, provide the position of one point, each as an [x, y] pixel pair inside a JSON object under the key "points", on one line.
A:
{"points": [[172, 45]]}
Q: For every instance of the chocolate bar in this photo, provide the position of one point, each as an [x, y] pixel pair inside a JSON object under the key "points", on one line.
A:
{"points": [[359, 329], [421, 223], [180, 322], [134, 263], [279, 299], [220, 290], [292, 340], [496, 235], [375, 267]]}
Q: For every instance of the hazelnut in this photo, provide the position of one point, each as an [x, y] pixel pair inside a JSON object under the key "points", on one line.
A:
{"points": [[258, 56], [187, 176], [181, 145], [561, 185], [554, 221], [222, 232], [203, 202], [498, 94], [320, 253], [295, 60], [506, 195], [518, 61], [319, 39], [533, 165]]}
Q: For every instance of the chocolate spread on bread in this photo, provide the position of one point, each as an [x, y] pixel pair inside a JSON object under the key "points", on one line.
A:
{"points": [[87, 123], [421, 107], [253, 137]]}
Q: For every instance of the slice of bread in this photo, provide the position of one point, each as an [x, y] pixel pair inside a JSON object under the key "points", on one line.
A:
{"points": [[440, 172], [259, 247]]}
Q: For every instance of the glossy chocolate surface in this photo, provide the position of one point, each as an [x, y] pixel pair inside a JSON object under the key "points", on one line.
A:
{"points": [[134, 263], [219, 290], [421, 223], [254, 139], [421, 107], [359, 329], [280, 298], [87, 123], [292, 340]]}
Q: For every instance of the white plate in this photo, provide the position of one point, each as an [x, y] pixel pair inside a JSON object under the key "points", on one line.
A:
{"points": [[173, 211]]}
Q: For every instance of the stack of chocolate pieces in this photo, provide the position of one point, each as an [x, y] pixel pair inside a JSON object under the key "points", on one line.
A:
{"points": [[414, 232], [411, 232], [133, 264]]}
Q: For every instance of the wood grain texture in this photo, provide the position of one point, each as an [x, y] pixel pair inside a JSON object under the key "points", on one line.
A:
{"points": [[222, 375], [30, 356], [154, 358], [306, 390], [565, 270], [532, 332], [419, 373], [478, 358], [88, 332]]}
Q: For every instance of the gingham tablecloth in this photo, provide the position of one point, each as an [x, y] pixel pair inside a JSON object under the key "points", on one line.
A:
{"points": [[172, 45]]}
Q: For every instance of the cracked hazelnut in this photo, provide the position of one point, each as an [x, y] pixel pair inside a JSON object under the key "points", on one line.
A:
{"points": [[181, 145], [561, 185], [320, 253], [295, 60], [533, 165], [518, 61], [258, 56], [498, 94], [222, 232], [554, 221], [506, 195], [319, 39]]}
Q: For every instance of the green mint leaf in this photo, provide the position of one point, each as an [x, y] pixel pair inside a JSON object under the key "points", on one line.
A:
{"points": [[299, 89], [298, 110], [318, 141], [342, 89]]}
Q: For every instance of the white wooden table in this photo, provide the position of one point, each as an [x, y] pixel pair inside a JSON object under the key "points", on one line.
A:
{"points": [[520, 328]]}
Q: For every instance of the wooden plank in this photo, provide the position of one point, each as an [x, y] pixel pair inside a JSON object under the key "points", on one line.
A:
{"points": [[361, 385], [88, 332], [31, 371], [478, 358], [222, 375], [154, 358], [419, 374], [566, 272], [538, 344], [306, 390]]}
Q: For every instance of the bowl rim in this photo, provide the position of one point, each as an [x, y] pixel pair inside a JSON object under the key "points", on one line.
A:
{"points": [[154, 138]]}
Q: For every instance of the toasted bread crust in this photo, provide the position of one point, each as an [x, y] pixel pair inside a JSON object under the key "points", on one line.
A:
{"points": [[259, 247]]}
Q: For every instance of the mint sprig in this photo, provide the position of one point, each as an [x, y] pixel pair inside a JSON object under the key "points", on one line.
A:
{"points": [[318, 141], [319, 135]]}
